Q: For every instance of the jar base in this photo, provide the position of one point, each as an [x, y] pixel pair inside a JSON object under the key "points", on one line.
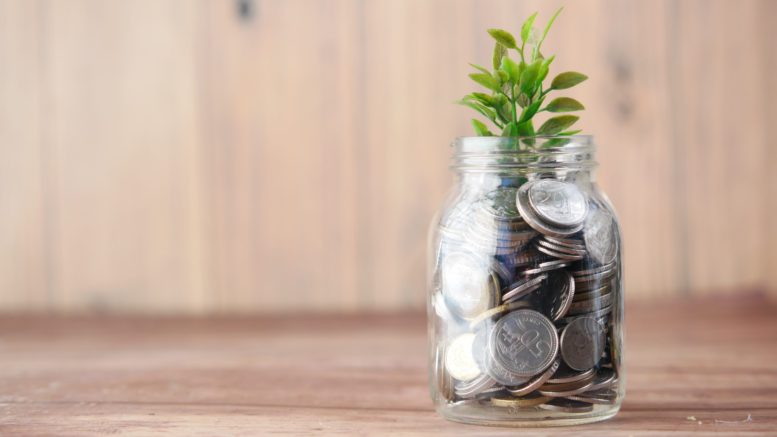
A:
{"points": [[524, 418]]}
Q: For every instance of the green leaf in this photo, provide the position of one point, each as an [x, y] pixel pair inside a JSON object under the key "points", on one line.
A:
{"points": [[567, 80], [510, 130], [499, 52], [503, 76], [511, 68], [529, 78], [571, 132], [503, 37], [564, 104], [482, 98], [481, 128], [557, 124], [530, 110], [547, 27], [485, 80], [526, 129], [545, 68], [479, 68], [526, 28], [483, 110]]}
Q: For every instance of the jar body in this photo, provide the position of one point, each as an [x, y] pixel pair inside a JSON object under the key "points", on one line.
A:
{"points": [[525, 288]]}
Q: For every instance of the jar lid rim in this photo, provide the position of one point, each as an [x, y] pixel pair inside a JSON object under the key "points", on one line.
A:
{"points": [[575, 141]]}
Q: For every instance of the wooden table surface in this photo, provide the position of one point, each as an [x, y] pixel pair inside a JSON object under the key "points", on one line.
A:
{"points": [[693, 367]]}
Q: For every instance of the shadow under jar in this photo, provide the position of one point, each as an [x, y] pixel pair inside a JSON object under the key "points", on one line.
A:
{"points": [[525, 292]]}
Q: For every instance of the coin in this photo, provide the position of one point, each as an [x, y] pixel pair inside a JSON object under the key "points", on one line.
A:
{"points": [[567, 406], [459, 360], [565, 374], [602, 397], [502, 375], [582, 343], [467, 284], [600, 238], [560, 203], [523, 402], [536, 222], [524, 342], [561, 249], [571, 243], [520, 289], [546, 267], [478, 385], [598, 270], [590, 305], [559, 255], [555, 296], [524, 293], [566, 389], [605, 378], [536, 382]]}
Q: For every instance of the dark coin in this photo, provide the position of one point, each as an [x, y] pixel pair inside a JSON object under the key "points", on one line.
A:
{"points": [[582, 343], [567, 406]]}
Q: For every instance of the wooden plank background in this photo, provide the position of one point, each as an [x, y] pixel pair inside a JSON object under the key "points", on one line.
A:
{"points": [[282, 156]]}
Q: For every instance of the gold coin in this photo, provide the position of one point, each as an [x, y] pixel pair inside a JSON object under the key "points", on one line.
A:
{"points": [[519, 402]]}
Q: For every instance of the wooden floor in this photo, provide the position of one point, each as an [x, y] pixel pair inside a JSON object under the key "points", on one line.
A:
{"points": [[703, 367]]}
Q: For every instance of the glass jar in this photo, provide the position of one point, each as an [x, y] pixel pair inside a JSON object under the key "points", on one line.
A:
{"points": [[525, 287]]}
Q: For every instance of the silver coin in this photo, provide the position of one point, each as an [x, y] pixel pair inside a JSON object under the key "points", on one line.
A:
{"points": [[501, 374], [590, 305], [604, 379], [595, 271], [546, 267], [594, 292], [471, 389], [601, 397], [563, 299], [533, 220], [600, 238], [567, 406], [566, 389], [564, 374], [535, 383], [559, 255], [524, 293], [467, 284], [559, 248], [571, 243], [524, 342], [582, 343], [522, 258], [560, 203], [522, 288]]}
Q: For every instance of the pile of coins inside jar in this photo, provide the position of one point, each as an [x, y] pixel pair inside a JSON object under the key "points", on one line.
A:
{"points": [[526, 282]]}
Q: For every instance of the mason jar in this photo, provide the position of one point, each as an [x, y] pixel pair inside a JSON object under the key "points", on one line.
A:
{"points": [[525, 286]]}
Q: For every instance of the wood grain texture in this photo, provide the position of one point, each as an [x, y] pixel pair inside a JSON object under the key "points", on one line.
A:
{"points": [[179, 157], [366, 375], [123, 156], [23, 258]]}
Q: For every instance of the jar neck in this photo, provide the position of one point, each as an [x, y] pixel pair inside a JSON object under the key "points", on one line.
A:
{"points": [[509, 156]]}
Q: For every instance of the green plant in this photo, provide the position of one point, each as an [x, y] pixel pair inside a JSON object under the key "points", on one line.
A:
{"points": [[516, 87]]}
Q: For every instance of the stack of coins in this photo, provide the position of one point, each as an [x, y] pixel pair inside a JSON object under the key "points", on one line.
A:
{"points": [[527, 279]]}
